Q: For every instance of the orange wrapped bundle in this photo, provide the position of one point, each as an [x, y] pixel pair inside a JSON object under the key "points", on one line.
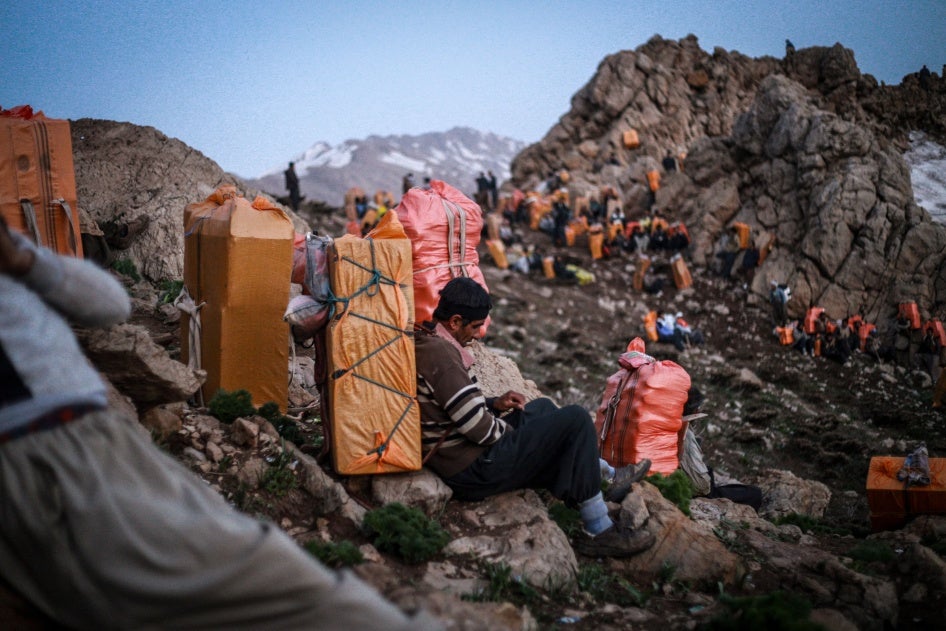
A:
{"points": [[811, 317], [641, 411], [238, 261], [372, 378], [650, 326], [911, 312], [38, 180], [444, 227]]}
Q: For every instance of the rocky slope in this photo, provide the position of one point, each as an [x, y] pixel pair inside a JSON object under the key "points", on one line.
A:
{"points": [[805, 148]]}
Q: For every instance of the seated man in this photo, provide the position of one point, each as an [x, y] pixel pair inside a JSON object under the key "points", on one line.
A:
{"points": [[99, 528], [533, 445]]}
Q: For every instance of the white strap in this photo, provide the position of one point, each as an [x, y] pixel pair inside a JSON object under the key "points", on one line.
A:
{"points": [[186, 304]]}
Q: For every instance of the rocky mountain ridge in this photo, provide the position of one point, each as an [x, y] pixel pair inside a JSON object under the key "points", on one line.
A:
{"points": [[378, 163], [806, 149]]}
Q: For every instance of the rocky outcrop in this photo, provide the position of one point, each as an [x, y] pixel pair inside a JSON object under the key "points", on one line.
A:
{"points": [[137, 366], [805, 148], [849, 236]]}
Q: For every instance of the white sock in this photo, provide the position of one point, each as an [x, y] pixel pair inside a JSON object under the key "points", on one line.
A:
{"points": [[594, 515]]}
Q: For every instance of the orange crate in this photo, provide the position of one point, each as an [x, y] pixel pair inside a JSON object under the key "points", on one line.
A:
{"points": [[892, 503]]}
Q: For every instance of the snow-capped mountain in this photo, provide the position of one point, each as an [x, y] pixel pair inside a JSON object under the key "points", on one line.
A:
{"points": [[378, 163], [927, 161]]}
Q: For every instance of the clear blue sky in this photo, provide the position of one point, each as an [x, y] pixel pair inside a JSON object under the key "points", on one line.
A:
{"points": [[251, 83]]}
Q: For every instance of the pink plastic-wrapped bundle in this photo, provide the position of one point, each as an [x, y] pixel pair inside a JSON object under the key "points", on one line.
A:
{"points": [[641, 411], [444, 227]]}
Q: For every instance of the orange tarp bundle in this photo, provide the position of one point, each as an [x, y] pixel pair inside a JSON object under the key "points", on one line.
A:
{"points": [[596, 241], [497, 250], [238, 261], [631, 139], [743, 230], [681, 273], [641, 411], [892, 502], [569, 235], [444, 227], [614, 229], [38, 180], [650, 326], [372, 377], [864, 332], [538, 208], [911, 312], [811, 317], [653, 180]]}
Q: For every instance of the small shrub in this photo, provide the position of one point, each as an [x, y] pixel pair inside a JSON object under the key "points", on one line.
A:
{"points": [[279, 479], [287, 428], [502, 586], [229, 406], [676, 487], [778, 611], [405, 532], [872, 551], [126, 267], [336, 555], [169, 290]]}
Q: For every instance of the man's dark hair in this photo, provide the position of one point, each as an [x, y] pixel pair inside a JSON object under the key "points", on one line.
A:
{"points": [[465, 297], [694, 401]]}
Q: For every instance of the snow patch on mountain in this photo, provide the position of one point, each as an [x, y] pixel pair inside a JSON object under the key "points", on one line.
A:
{"points": [[399, 159], [927, 162], [376, 163]]}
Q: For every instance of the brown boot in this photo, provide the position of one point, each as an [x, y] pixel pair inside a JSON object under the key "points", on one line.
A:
{"points": [[615, 542]]}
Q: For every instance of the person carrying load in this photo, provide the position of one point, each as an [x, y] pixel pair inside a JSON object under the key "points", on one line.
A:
{"points": [[482, 447]]}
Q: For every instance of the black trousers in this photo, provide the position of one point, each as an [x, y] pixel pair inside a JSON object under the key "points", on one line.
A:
{"points": [[551, 448]]}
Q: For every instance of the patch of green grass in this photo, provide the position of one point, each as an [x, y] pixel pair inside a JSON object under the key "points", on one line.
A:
{"points": [[778, 611], [605, 586], [810, 524], [126, 267], [503, 586], [405, 532], [279, 479], [676, 487], [336, 555], [229, 406], [568, 519], [871, 551], [168, 291]]}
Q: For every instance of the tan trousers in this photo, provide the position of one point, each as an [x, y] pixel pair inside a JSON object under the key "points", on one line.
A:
{"points": [[100, 529]]}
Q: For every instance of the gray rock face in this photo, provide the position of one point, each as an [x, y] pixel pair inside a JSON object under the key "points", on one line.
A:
{"points": [[124, 171], [137, 366], [800, 148]]}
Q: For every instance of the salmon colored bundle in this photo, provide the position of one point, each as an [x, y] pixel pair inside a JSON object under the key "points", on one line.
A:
{"points": [[444, 227], [641, 411]]}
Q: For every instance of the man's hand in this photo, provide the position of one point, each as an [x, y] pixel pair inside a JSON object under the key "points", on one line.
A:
{"points": [[509, 401], [13, 260]]}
